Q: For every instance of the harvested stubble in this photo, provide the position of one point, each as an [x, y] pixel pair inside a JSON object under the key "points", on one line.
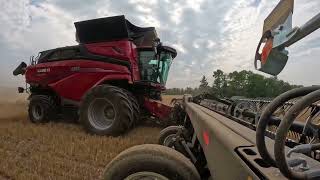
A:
{"points": [[57, 150]]}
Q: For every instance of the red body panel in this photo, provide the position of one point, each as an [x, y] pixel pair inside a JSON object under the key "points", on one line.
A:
{"points": [[123, 50], [115, 49], [157, 108], [72, 78], [135, 64]]}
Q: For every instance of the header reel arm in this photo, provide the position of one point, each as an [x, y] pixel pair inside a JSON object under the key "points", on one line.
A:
{"points": [[279, 34]]}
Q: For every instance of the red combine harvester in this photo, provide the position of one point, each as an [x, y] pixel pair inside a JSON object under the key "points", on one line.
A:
{"points": [[239, 138], [116, 70]]}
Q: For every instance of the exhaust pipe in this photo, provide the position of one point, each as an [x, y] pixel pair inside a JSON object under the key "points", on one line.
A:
{"points": [[21, 69]]}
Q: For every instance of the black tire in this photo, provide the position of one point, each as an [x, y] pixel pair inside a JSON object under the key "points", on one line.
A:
{"points": [[151, 158], [118, 106], [70, 113], [166, 135], [135, 107], [42, 109]]}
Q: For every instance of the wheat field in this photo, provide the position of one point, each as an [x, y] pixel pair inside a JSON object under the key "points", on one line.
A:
{"points": [[56, 150]]}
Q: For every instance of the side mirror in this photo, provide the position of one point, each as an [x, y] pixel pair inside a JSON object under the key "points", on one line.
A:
{"points": [[20, 89], [21, 69]]}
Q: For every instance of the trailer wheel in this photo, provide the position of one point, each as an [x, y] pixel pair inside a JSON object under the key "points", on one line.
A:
{"points": [[106, 110], [167, 134], [42, 109], [150, 161]]}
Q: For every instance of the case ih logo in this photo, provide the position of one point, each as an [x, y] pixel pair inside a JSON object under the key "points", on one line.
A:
{"points": [[75, 69], [43, 70]]}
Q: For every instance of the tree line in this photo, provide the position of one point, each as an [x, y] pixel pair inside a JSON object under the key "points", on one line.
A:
{"points": [[242, 83]]}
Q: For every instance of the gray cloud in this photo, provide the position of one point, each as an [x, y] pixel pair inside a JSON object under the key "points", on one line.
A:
{"points": [[208, 34]]}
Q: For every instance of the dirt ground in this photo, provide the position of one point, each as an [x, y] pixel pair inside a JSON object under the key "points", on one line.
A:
{"points": [[56, 150]]}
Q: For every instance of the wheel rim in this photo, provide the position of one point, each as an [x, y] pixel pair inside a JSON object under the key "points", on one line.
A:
{"points": [[146, 175], [168, 140], [37, 112], [101, 113]]}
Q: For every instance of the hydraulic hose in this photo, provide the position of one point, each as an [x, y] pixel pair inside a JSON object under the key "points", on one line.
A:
{"points": [[279, 147], [266, 116]]}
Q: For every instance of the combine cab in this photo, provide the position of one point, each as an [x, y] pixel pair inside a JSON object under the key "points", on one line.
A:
{"points": [[116, 71]]}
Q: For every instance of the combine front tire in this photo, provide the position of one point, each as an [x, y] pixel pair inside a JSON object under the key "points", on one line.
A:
{"points": [[150, 161], [106, 110], [135, 107], [42, 109]]}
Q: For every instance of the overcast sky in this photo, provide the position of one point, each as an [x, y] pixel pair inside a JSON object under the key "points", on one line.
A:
{"points": [[208, 34]]}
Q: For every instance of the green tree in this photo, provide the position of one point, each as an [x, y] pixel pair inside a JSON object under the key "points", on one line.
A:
{"points": [[203, 87], [248, 84], [242, 83], [203, 83], [219, 83]]}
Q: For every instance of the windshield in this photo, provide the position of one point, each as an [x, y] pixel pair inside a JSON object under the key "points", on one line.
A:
{"points": [[152, 69]]}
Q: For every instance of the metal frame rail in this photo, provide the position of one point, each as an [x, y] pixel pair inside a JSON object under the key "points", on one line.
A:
{"points": [[229, 144], [249, 117]]}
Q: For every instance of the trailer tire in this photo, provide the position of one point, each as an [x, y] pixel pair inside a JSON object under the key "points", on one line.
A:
{"points": [[106, 110], [42, 109], [151, 160], [167, 134]]}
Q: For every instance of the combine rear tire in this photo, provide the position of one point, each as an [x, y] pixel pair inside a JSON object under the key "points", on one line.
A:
{"points": [[106, 110], [42, 109], [150, 161]]}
